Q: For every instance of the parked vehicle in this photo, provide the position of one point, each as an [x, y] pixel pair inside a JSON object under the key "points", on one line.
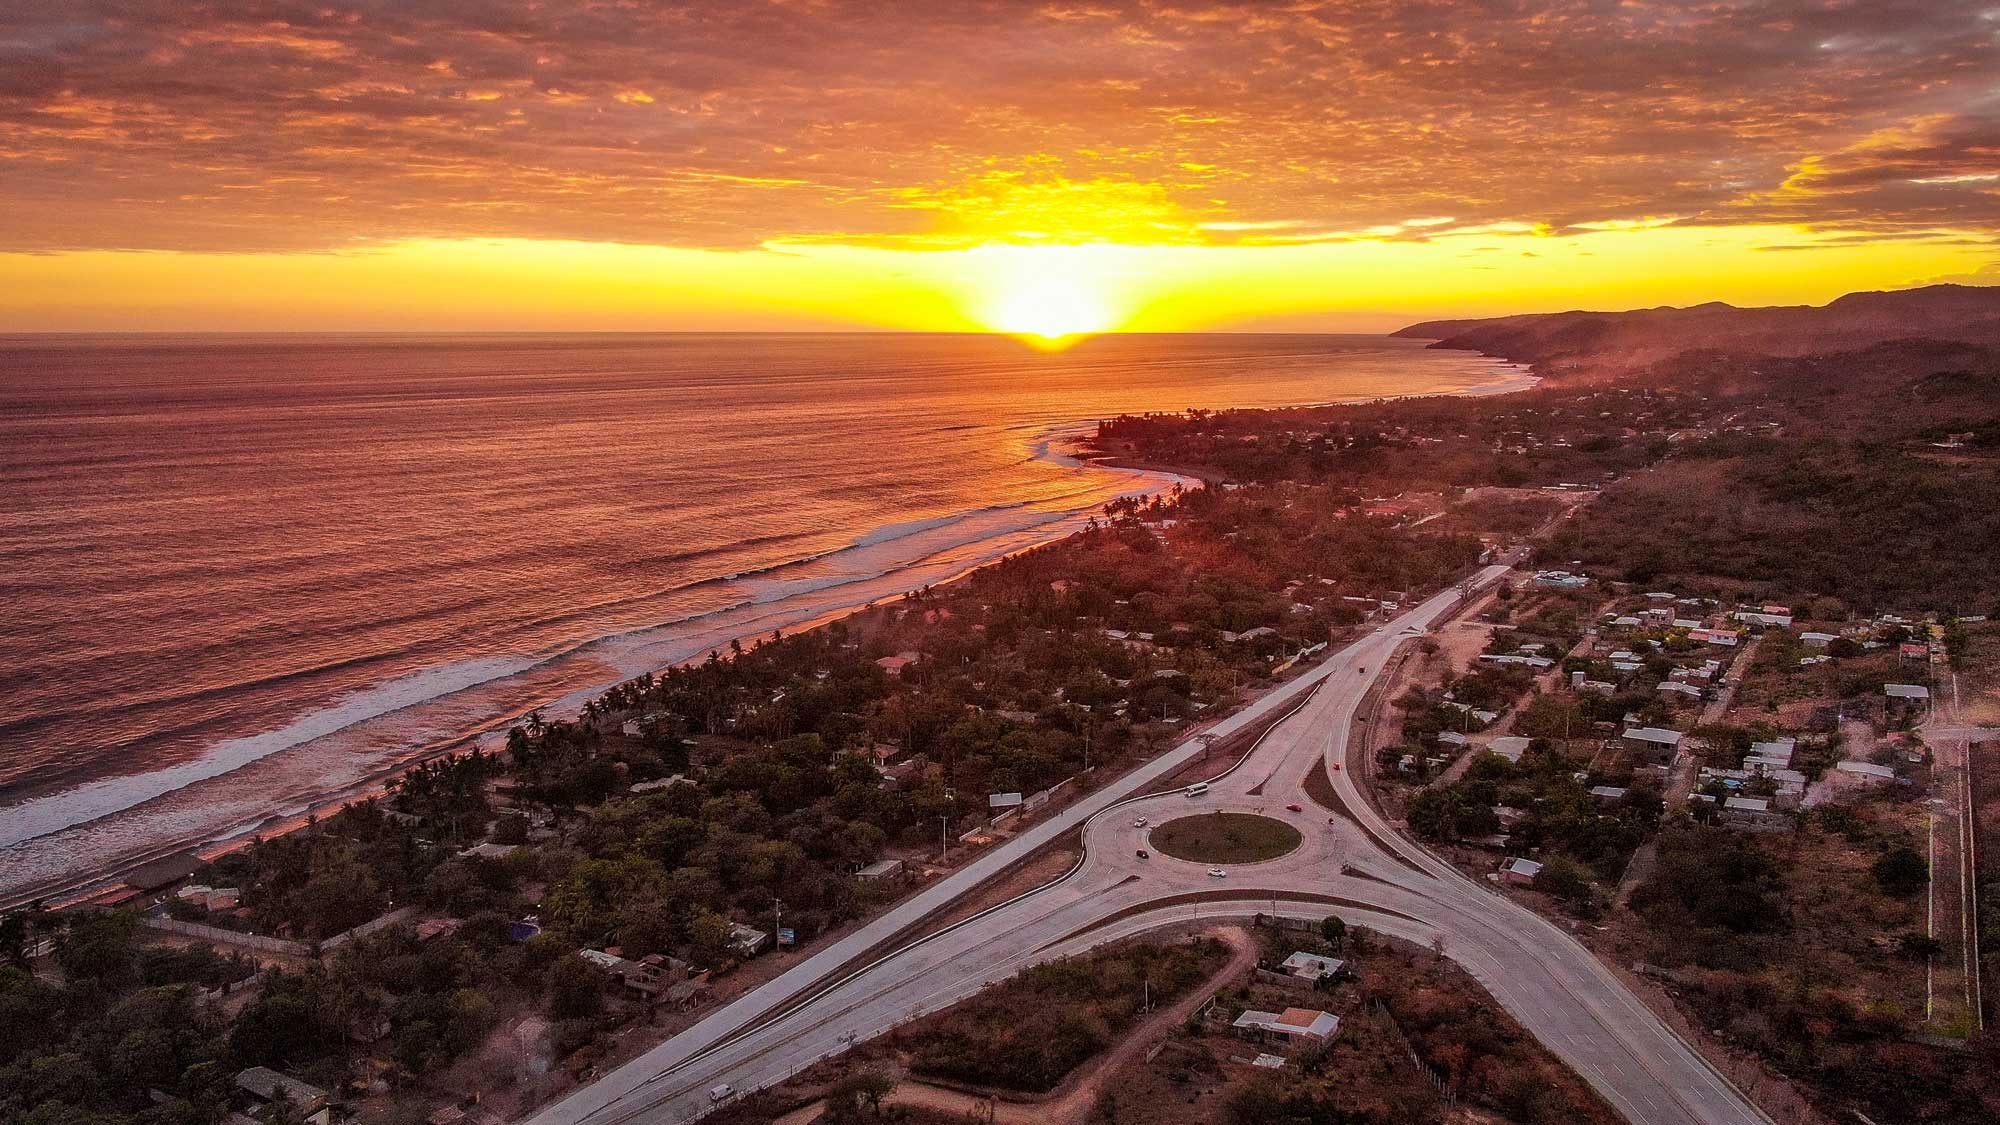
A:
{"points": [[1295, 808], [1144, 854], [1216, 873], [718, 1094], [1197, 789]]}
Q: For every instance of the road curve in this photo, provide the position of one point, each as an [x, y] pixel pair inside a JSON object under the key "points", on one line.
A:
{"points": [[1354, 865]]}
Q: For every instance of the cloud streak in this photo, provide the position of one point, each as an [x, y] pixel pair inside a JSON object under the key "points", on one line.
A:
{"points": [[273, 125]]}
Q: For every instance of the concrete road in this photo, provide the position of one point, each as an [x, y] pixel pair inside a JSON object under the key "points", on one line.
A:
{"points": [[1351, 863]]}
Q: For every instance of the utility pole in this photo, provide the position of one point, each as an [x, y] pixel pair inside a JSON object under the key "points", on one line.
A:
{"points": [[944, 836], [777, 922]]}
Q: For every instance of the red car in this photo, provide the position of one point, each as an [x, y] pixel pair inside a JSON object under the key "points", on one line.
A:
{"points": [[1295, 808]]}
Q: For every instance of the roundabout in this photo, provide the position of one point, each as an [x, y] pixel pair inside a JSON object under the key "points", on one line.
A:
{"points": [[1226, 837]]}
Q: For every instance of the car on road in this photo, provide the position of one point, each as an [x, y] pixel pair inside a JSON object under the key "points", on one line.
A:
{"points": [[1144, 854], [1139, 822], [1295, 808], [1197, 789], [719, 1094], [1216, 873]]}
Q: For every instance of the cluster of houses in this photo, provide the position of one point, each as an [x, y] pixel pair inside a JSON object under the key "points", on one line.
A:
{"points": [[1291, 1027]]}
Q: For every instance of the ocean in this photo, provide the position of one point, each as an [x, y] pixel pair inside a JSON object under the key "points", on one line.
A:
{"points": [[244, 576]]}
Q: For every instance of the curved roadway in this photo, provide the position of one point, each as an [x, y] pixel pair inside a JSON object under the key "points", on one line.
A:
{"points": [[1352, 863]]}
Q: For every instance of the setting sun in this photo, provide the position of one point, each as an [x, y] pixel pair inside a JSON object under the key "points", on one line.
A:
{"points": [[1051, 308]]}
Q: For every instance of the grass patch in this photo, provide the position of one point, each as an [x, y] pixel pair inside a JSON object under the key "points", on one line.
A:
{"points": [[1226, 837], [1030, 1032]]}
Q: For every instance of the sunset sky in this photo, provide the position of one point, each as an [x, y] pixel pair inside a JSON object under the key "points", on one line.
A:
{"points": [[1035, 167]]}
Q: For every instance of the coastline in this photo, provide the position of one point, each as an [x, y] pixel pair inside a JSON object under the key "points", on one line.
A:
{"points": [[1063, 444]]}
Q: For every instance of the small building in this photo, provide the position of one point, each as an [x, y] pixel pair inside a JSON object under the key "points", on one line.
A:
{"points": [[1509, 746], [747, 941], [1817, 640], [162, 873], [1753, 814], [1607, 793], [1293, 1025], [1452, 738], [1519, 872], [1865, 772], [999, 802], [894, 665], [881, 871], [1311, 966], [686, 995], [266, 1087], [1906, 691], [1727, 638], [1652, 741], [658, 784]]}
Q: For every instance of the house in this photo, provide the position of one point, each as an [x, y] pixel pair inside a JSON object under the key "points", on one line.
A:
{"points": [[1753, 814], [658, 784], [488, 850], [1607, 793], [687, 995], [266, 1087], [1651, 740], [210, 898], [1250, 634], [745, 941], [1452, 738], [1509, 746], [1906, 691], [1769, 620], [162, 873], [1561, 580], [996, 802], [1865, 772], [1519, 872], [1685, 691], [1817, 640], [1311, 966], [894, 665], [1724, 637], [880, 871], [1293, 1025]]}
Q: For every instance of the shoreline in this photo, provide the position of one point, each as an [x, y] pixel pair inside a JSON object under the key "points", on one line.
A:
{"points": [[1062, 443]]}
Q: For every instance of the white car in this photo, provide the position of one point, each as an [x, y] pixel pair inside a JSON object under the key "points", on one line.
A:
{"points": [[1216, 873], [1139, 823]]}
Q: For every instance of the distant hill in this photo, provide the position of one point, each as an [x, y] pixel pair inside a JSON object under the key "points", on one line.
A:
{"points": [[1610, 341]]}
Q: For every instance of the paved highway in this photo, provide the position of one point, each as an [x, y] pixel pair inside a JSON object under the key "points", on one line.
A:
{"points": [[1351, 863]]}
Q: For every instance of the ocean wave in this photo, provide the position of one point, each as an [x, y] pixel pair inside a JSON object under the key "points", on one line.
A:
{"points": [[40, 816]]}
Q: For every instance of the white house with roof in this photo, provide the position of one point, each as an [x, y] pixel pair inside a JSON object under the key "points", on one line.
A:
{"points": [[1519, 871], [1293, 1025], [1865, 772], [1651, 740], [1311, 966]]}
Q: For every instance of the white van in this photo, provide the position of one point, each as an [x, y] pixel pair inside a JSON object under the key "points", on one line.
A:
{"points": [[720, 1093], [1197, 789]]}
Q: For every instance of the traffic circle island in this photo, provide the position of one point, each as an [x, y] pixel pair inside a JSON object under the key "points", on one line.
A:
{"points": [[1225, 837]]}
